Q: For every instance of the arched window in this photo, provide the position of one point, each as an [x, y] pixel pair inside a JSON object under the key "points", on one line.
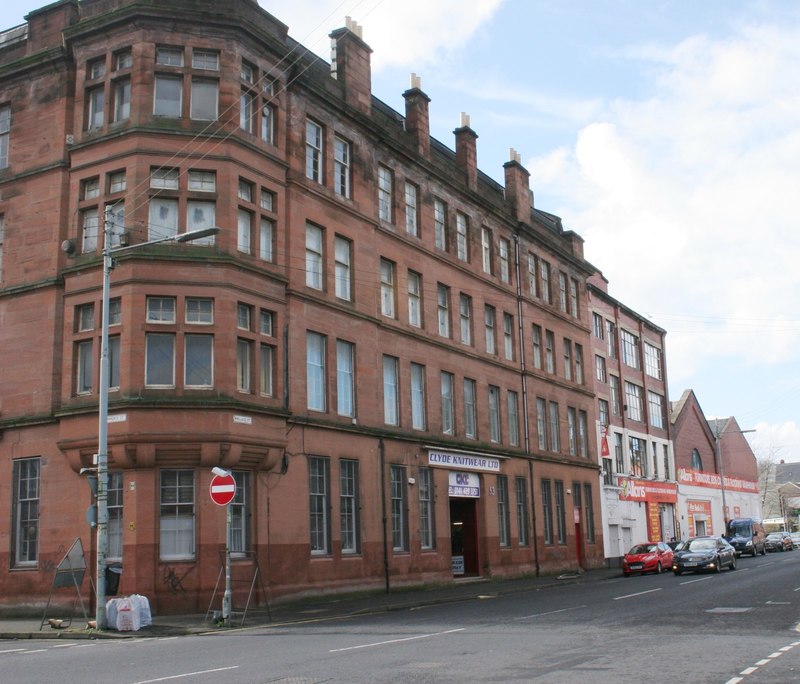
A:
{"points": [[697, 462]]}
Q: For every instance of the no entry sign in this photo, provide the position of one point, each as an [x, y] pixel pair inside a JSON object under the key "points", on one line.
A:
{"points": [[223, 489]]}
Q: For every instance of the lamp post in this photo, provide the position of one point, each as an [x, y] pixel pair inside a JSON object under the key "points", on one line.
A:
{"points": [[718, 449], [102, 432]]}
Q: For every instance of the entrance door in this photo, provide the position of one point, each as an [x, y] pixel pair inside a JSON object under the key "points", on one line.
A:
{"points": [[464, 536]]}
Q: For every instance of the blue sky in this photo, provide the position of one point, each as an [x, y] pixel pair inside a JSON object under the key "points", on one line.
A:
{"points": [[665, 132]]}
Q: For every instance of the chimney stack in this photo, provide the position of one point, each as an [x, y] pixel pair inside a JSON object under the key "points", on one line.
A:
{"points": [[417, 117], [518, 193], [350, 64], [467, 151]]}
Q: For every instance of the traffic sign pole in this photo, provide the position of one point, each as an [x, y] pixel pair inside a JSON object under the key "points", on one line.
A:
{"points": [[226, 597], [223, 490]]}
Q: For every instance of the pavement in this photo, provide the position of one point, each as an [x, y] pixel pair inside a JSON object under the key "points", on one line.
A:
{"points": [[308, 609]]}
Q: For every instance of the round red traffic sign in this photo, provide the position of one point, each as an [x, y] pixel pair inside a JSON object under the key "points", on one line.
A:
{"points": [[223, 489]]}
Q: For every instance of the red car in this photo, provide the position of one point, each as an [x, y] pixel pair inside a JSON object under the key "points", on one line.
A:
{"points": [[649, 557]]}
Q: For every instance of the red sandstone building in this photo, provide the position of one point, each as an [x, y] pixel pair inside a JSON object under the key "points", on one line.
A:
{"points": [[386, 347]]}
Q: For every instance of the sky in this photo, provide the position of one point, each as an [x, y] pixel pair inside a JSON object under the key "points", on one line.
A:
{"points": [[665, 132]]}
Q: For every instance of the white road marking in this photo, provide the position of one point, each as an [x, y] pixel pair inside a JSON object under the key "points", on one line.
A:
{"points": [[36, 650], [13, 650], [748, 671], [639, 593], [699, 579], [549, 612], [390, 641], [188, 674]]}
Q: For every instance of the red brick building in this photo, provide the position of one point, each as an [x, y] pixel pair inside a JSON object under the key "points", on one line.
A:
{"points": [[385, 346]]}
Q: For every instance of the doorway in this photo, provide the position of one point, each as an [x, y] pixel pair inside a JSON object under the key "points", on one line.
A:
{"points": [[464, 537]]}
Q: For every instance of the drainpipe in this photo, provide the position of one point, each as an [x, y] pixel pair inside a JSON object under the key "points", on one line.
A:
{"points": [[524, 388], [384, 517]]}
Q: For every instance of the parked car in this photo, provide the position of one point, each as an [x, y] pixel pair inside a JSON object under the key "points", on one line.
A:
{"points": [[703, 553], [779, 541], [746, 535], [795, 539], [649, 557]]}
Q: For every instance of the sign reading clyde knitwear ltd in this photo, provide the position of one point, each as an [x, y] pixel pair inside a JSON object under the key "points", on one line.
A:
{"points": [[464, 461]]}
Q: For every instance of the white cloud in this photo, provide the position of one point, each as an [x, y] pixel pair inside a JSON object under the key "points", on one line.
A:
{"points": [[414, 33]]}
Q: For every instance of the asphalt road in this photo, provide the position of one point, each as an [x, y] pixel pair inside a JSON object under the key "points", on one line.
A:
{"points": [[725, 628]]}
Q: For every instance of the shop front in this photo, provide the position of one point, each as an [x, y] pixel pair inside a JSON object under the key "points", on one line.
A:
{"points": [[659, 500]]}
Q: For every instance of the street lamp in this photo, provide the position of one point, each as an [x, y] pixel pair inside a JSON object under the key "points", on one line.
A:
{"points": [[718, 450], [102, 433]]}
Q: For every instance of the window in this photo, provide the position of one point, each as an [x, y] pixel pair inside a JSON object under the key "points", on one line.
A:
{"points": [[655, 404], [553, 427], [247, 111], [164, 179], [536, 340], [439, 224], [266, 370], [630, 349], [697, 461], [244, 231], [494, 414], [667, 472], [600, 368], [652, 361], [427, 518], [544, 281], [572, 431], [512, 408], [486, 250], [207, 60], [602, 410], [547, 511], [176, 520], [114, 311], [523, 527], [385, 194], [579, 364], [489, 324], [245, 190], [561, 518], [169, 56], [597, 326], [573, 297], [588, 509], [341, 167], [391, 414], [266, 238], [465, 315], [567, 345], [414, 299], [267, 123], [84, 315], [412, 217], [168, 99], [113, 362], [240, 514], [91, 231], [611, 339], [266, 323], [123, 60], [314, 273], [655, 460], [448, 404], [345, 378], [550, 355], [315, 371], [616, 400], [470, 412], [267, 200], [503, 514], [163, 218], [25, 512], [608, 472], [508, 336], [122, 99], [462, 242], [200, 215], [318, 504], [533, 290], [343, 276], [96, 68], [633, 397], [90, 188], [504, 247], [417, 396], [619, 454], [5, 128], [97, 103], [244, 316], [541, 423], [562, 291], [313, 151], [116, 182], [583, 434], [638, 456], [247, 72], [399, 489], [443, 309], [199, 360], [349, 505], [244, 365], [159, 360], [387, 288], [114, 503]]}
